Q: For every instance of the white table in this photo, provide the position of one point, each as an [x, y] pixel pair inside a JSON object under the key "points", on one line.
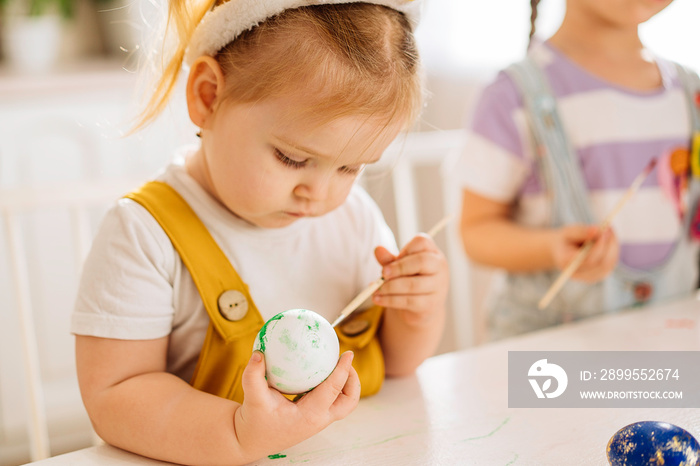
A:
{"points": [[455, 409]]}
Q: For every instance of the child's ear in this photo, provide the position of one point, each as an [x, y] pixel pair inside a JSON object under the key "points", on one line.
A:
{"points": [[204, 85]]}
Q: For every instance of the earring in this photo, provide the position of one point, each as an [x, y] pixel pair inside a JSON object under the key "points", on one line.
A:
{"points": [[199, 134]]}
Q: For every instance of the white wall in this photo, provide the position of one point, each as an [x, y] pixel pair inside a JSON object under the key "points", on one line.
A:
{"points": [[490, 34]]}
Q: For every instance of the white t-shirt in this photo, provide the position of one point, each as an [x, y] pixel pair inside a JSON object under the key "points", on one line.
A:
{"points": [[134, 285]]}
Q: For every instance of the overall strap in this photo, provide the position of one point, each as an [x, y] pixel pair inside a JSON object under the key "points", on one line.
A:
{"points": [[211, 271], [554, 154], [231, 334]]}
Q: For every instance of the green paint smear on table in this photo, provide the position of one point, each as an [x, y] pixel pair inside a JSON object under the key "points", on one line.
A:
{"points": [[276, 456], [513, 460], [362, 445], [505, 421]]}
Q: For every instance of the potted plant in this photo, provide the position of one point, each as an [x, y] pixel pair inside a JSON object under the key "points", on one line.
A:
{"points": [[125, 25], [32, 31], [119, 25]]}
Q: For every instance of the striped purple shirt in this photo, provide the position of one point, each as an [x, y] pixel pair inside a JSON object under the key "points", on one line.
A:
{"points": [[615, 131]]}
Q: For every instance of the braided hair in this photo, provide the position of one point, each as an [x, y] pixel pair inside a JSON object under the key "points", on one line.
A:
{"points": [[533, 18]]}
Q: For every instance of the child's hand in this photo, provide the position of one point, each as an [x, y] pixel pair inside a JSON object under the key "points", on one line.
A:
{"points": [[416, 280], [601, 259], [267, 422]]}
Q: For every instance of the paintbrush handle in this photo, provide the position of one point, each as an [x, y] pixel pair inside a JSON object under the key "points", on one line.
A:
{"points": [[358, 300], [585, 249], [623, 200], [440, 225]]}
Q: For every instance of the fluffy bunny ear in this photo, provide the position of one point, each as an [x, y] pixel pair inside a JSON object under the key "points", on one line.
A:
{"points": [[228, 20]]}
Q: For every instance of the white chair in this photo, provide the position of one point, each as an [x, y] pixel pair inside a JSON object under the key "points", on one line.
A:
{"points": [[77, 200], [62, 162], [410, 186]]}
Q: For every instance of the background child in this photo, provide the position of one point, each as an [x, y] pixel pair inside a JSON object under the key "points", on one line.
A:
{"points": [[527, 208], [292, 104]]}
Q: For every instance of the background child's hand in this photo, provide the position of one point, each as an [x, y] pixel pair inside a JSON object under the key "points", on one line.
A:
{"points": [[416, 280], [267, 422], [600, 261]]}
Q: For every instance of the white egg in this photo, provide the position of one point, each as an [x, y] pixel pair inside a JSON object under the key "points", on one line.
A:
{"points": [[301, 349]]}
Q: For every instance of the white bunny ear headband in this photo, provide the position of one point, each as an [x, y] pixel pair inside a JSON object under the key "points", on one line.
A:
{"points": [[227, 21]]}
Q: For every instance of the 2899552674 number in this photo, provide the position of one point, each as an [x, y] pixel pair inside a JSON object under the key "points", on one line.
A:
{"points": [[639, 374]]}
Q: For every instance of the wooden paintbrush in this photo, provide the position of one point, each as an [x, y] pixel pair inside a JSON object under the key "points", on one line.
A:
{"points": [[375, 285], [586, 248]]}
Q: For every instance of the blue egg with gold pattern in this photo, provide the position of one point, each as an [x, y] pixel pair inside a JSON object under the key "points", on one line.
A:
{"points": [[653, 442]]}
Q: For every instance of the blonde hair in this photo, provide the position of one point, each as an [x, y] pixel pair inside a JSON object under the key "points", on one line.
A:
{"points": [[361, 58]]}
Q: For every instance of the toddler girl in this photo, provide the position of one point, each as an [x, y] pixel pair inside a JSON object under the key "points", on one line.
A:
{"points": [[293, 99]]}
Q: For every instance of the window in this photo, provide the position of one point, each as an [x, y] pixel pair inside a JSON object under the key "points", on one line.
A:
{"points": [[493, 33]]}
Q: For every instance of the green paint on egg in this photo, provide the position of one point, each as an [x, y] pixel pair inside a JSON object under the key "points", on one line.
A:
{"points": [[299, 352], [276, 456], [282, 386], [261, 343], [263, 332], [287, 341]]}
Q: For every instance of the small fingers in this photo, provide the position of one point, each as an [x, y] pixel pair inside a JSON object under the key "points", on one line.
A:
{"points": [[348, 398], [420, 243], [423, 263], [326, 393], [414, 303], [598, 251], [601, 260], [410, 285], [383, 255], [610, 250], [577, 234], [253, 379]]}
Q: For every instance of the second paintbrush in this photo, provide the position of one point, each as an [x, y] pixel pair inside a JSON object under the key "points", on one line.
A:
{"points": [[586, 248]]}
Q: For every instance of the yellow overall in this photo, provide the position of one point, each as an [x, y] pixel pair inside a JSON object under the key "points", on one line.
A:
{"points": [[229, 343]]}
